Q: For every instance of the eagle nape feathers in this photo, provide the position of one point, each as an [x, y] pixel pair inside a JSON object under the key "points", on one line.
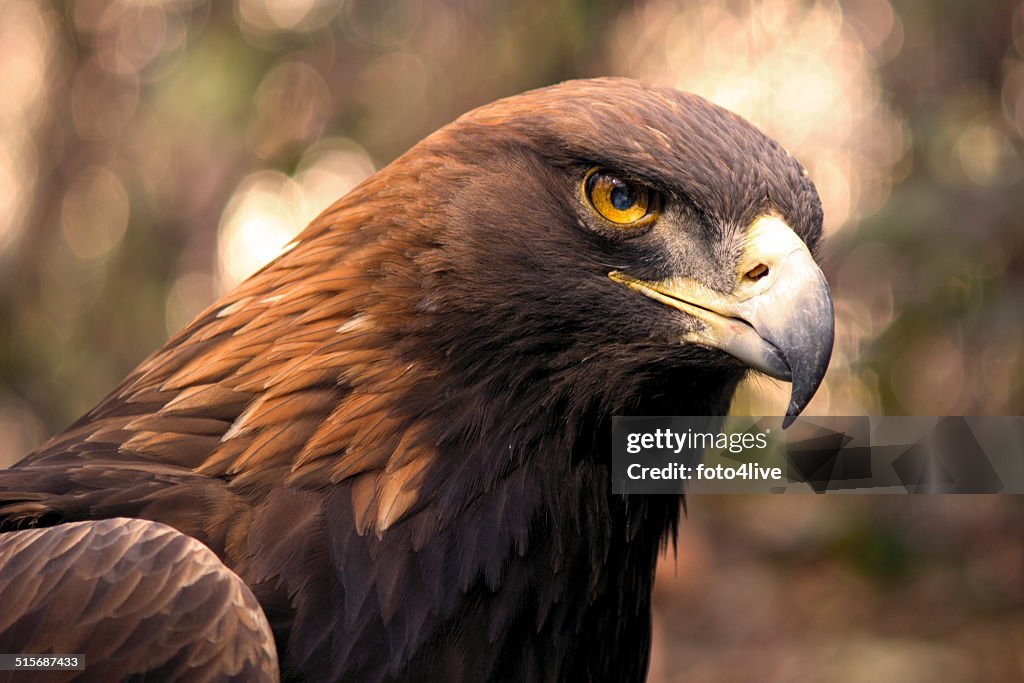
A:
{"points": [[385, 456]]}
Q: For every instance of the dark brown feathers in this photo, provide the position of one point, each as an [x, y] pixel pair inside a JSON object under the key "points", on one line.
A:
{"points": [[397, 433], [134, 598]]}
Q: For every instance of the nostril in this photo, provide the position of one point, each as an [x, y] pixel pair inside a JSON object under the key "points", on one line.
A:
{"points": [[757, 272]]}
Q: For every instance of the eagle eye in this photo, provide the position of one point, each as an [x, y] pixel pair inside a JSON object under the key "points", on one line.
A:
{"points": [[621, 201]]}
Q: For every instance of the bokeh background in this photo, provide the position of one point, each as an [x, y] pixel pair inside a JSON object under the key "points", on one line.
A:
{"points": [[155, 152]]}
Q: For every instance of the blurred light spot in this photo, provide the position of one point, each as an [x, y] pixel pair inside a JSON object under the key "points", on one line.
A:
{"points": [[264, 16], [877, 25], [101, 105], [26, 55], [133, 41], [969, 145], [190, 294], [257, 223], [94, 214], [329, 170], [24, 52], [268, 208], [16, 175], [93, 16], [794, 69], [292, 104], [1013, 95], [986, 155], [381, 24]]}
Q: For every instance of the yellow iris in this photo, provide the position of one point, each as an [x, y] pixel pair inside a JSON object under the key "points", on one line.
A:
{"points": [[618, 200]]}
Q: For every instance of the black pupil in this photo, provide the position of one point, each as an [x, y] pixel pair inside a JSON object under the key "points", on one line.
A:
{"points": [[623, 196]]}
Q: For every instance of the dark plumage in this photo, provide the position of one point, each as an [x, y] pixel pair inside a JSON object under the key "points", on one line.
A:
{"points": [[90, 585], [397, 434]]}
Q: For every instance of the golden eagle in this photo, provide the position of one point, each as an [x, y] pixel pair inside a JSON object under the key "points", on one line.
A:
{"points": [[396, 436]]}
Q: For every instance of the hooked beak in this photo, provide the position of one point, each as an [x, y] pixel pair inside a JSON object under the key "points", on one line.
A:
{"points": [[778, 319]]}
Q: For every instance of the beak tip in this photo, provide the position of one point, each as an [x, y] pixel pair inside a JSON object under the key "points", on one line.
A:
{"points": [[807, 377], [797, 403]]}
